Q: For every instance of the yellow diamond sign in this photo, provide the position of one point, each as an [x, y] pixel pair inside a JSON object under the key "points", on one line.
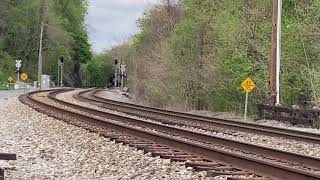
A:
{"points": [[10, 78], [24, 76], [248, 85]]}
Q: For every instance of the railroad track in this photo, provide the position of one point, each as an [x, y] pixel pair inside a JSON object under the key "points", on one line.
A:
{"points": [[171, 117], [6, 156], [201, 151]]}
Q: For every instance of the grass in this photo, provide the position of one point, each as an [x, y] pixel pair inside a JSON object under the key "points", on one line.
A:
{"points": [[3, 86]]}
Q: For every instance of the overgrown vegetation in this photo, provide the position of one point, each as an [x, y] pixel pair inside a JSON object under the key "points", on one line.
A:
{"points": [[194, 54], [98, 72], [65, 35]]}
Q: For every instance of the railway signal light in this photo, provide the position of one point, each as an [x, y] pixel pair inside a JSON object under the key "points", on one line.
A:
{"points": [[115, 61], [60, 70], [61, 60], [17, 70]]}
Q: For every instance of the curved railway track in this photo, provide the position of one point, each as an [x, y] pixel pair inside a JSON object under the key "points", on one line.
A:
{"points": [[201, 151], [165, 115]]}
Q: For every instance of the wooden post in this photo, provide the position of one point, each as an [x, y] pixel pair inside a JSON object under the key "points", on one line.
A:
{"points": [[276, 52], [1, 174], [273, 74]]}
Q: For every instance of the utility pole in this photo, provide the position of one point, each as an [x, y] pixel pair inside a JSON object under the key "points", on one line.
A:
{"points": [[40, 58], [58, 80], [61, 73], [276, 52]]}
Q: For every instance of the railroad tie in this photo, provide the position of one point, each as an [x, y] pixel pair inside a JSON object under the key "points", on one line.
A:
{"points": [[6, 156], [1, 174]]}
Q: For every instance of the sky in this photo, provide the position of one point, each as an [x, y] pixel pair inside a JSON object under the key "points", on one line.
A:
{"points": [[113, 21]]}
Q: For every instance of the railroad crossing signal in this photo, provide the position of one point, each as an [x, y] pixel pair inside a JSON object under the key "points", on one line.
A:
{"points": [[10, 79], [123, 68], [248, 85], [18, 64], [18, 70], [24, 76]]}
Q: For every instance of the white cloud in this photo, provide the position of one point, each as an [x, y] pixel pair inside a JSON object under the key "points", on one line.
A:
{"points": [[110, 21]]}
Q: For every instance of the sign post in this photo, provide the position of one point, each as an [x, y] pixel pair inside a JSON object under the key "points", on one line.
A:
{"points": [[18, 66], [58, 77], [248, 85], [246, 107], [115, 73], [60, 71], [24, 77]]}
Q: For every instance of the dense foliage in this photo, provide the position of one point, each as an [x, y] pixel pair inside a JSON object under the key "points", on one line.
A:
{"points": [[65, 35], [194, 54], [98, 72]]}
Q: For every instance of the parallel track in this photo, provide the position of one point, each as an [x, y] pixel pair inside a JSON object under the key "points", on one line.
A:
{"points": [[190, 145], [162, 114]]}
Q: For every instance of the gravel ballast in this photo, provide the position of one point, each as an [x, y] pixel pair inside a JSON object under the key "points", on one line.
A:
{"points": [[299, 147], [115, 95], [51, 149]]}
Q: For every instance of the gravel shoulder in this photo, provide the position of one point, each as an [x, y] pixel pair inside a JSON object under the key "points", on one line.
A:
{"points": [[275, 123], [51, 149], [117, 96]]}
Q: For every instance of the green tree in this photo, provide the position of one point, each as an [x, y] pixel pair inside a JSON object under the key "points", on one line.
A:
{"points": [[64, 35], [98, 71], [195, 54]]}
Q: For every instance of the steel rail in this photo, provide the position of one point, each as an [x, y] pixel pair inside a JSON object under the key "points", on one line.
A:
{"points": [[271, 152], [214, 122], [311, 162], [262, 167]]}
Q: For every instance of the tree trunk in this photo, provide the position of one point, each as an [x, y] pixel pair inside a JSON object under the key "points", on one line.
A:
{"points": [[199, 102]]}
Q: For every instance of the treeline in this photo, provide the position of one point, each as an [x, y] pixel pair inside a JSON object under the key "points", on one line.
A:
{"points": [[98, 72], [194, 54], [65, 34]]}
